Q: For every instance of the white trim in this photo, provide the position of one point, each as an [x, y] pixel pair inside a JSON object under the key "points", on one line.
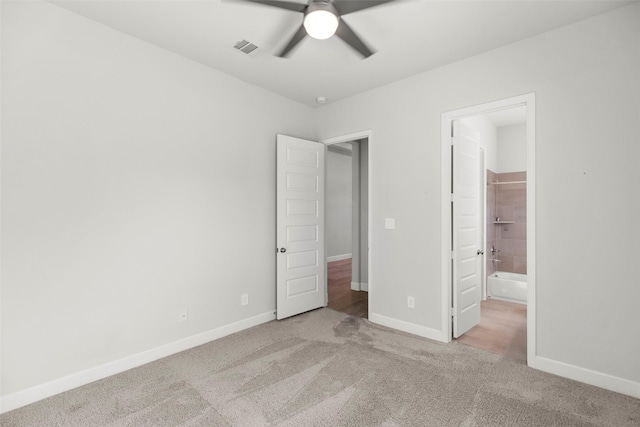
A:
{"points": [[51, 388], [338, 257], [531, 231], [356, 211], [348, 138], [483, 224], [401, 325], [445, 225], [445, 200], [368, 134], [355, 286], [588, 376]]}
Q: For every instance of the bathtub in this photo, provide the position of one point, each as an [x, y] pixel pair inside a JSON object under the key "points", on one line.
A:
{"points": [[510, 287]]}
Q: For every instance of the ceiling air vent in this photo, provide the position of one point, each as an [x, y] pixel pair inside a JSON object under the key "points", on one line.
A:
{"points": [[245, 47]]}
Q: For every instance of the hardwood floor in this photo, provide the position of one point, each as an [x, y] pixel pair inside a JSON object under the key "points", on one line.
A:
{"points": [[341, 297], [502, 329]]}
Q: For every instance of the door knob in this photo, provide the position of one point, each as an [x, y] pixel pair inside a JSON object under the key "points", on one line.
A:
{"points": [[480, 252], [283, 250]]}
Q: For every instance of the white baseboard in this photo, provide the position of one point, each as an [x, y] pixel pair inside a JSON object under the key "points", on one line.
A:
{"points": [[588, 376], [355, 286], [42, 391], [338, 257], [412, 328]]}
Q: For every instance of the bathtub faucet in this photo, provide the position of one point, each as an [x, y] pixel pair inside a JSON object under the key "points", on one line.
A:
{"points": [[496, 260]]}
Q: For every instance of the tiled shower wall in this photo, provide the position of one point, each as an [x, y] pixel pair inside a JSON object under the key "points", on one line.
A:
{"points": [[509, 203], [491, 216]]}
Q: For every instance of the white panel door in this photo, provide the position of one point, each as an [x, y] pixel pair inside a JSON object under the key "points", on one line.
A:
{"points": [[466, 224], [301, 268]]}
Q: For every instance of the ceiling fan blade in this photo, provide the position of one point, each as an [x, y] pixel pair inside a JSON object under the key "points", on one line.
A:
{"points": [[296, 7], [348, 6], [346, 33], [299, 35]]}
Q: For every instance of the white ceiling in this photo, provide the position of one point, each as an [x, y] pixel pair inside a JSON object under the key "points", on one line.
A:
{"points": [[410, 36]]}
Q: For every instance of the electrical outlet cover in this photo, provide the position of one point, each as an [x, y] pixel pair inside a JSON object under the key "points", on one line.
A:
{"points": [[411, 302]]}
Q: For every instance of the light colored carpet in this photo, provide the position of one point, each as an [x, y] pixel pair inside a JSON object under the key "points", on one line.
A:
{"points": [[326, 368]]}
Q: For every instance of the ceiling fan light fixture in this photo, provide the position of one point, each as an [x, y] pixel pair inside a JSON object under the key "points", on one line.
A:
{"points": [[321, 20]]}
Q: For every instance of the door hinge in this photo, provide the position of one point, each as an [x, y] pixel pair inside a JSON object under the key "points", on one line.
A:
{"points": [[453, 197], [453, 254], [453, 312], [453, 140]]}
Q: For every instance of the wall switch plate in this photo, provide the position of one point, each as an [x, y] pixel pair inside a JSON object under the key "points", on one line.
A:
{"points": [[389, 223], [411, 302], [244, 299], [183, 316]]}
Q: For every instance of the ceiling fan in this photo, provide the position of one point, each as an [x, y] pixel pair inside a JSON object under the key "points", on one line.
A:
{"points": [[322, 20]]}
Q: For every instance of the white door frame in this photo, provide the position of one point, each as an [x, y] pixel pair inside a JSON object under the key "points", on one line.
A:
{"points": [[483, 224], [447, 119], [368, 134]]}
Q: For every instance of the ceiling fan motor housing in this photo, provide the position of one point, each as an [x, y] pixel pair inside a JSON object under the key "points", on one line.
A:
{"points": [[321, 5], [321, 19]]}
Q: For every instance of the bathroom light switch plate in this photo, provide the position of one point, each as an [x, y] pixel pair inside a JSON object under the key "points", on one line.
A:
{"points": [[389, 223]]}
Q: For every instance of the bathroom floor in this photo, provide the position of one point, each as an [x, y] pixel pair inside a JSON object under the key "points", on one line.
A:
{"points": [[502, 329]]}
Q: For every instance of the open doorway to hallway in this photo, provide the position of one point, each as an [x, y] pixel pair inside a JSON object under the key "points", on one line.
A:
{"points": [[341, 296], [347, 227]]}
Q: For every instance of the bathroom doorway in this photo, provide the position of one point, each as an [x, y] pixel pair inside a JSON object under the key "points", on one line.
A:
{"points": [[347, 227], [493, 299], [501, 139]]}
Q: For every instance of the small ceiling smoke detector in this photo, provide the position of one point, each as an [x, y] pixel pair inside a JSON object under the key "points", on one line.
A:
{"points": [[321, 100], [245, 46]]}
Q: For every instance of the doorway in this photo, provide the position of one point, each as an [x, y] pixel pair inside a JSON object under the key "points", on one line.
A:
{"points": [[501, 140], [346, 227], [512, 314]]}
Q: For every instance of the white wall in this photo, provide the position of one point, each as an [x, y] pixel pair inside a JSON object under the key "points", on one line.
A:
{"points": [[512, 148], [585, 77], [131, 189], [338, 205]]}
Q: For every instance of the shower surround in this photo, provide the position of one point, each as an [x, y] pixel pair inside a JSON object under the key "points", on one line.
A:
{"points": [[508, 202]]}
